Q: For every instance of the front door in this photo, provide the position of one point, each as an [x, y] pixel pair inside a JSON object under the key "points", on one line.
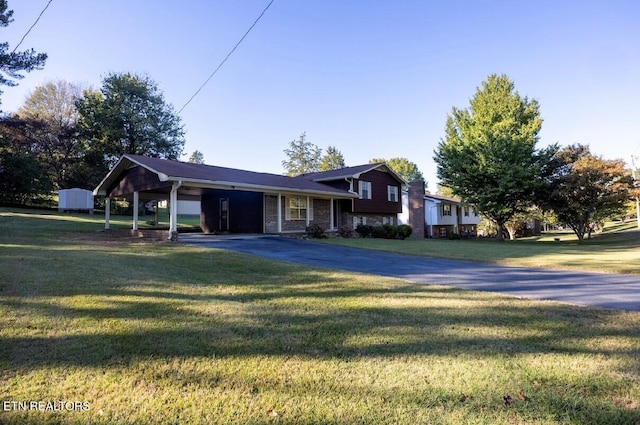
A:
{"points": [[224, 215]]}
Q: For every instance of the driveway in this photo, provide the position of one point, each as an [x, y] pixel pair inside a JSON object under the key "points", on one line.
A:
{"points": [[573, 287]]}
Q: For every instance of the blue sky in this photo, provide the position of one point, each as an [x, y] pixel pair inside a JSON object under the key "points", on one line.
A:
{"points": [[372, 78]]}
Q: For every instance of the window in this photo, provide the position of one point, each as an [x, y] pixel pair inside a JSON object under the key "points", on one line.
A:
{"points": [[297, 209], [387, 220], [358, 221], [443, 232], [466, 211], [364, 189], [392, 192], [446, 209]]}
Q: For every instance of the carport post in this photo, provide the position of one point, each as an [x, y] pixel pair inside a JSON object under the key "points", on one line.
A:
{"points": [[331, 227], [279, 213], [136, 198], [107, 212], [308, 211], [173, 211]]}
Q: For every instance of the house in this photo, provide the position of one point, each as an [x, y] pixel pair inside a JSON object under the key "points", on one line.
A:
{"points": [[442, 216], [239, 201]]}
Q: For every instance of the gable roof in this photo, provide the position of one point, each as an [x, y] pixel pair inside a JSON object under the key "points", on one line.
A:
{"points": [[350, 172], [439, 198], [209, 176]]}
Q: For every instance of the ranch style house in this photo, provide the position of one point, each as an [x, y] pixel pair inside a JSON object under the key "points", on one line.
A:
{"points": [[239, 201]]}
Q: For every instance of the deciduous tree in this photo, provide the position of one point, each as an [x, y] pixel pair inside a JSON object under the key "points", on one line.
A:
{"points": [[130, 116], [13, 63], [59, 149], [586, 189], [488, 156], [402, 167]]}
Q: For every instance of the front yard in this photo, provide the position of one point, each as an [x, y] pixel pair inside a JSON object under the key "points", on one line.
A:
{"points": [[155, 333]]}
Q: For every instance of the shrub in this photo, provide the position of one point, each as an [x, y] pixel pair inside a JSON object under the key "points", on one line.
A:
{"points": [[379, 232], [404, 231], [453, 236], [316, 231], [390, 230], [346, 232], [364, 230]]}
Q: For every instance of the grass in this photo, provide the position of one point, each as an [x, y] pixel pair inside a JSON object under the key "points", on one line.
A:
{"points": [[612, 251], [157, 333]]}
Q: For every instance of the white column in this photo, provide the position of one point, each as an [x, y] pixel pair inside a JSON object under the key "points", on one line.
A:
{"points": [[279, 213], [136, 199], [107, 212], [308, 211], [173, 211], [331, 227]]}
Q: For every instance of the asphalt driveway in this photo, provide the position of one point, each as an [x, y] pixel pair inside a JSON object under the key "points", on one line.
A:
{"points": [[572, 287]]}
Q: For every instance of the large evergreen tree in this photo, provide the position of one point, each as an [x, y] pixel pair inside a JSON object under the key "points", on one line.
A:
{"points": [[331, 160], [488, 156], [129, 116], [12, 62], [303, 157]]}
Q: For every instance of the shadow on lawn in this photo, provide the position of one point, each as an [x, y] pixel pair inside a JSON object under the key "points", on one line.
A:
{"points": [[219, 304], [224, 305]]}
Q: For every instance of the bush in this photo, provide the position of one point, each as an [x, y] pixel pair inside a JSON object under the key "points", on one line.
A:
{"points": [[404, 231], [453, 236], [379, 232], [364, 230], [316, 231], [346, 232]]}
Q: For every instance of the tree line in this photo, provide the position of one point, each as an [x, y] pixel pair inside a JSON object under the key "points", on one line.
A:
{"points": [[304, 157]]}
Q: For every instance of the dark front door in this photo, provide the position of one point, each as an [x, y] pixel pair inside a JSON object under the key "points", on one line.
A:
{"points": [[224, 215]]}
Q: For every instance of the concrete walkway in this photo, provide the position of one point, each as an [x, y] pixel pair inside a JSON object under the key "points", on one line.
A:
{"points": [[613, 291]]}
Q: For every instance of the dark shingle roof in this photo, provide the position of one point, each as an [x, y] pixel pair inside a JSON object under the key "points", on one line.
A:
{"points": [[204, 175]]}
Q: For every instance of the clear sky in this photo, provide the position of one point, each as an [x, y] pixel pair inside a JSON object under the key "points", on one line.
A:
{"points": [[372, 78]]}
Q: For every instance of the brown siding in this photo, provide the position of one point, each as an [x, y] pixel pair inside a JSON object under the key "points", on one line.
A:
{"points": [[379, 203], [137, 179]]}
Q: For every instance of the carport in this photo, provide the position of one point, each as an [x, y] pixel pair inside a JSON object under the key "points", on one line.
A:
{"points": [[231, 200]]}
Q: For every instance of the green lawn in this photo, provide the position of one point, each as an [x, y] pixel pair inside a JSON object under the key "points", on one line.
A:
{"points": [[611, 251], [156, 333]]}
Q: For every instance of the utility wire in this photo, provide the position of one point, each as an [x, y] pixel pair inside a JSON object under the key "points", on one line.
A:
{"points": [[29, 30], [227, 57]]}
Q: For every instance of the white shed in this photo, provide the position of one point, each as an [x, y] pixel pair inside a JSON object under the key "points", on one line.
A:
{"points": [[75, 200]]}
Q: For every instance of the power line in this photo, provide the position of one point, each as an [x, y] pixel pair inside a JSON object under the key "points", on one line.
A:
{"points": [[227, 57], [34, 24]]}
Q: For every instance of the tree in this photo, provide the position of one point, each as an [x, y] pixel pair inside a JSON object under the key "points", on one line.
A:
{"points": [[59, 148], [586, 189], [196, 157], [129, 116], [22, 178], [11, 63], [331, 160], [303, 157], [488, 156], [402, 167]]}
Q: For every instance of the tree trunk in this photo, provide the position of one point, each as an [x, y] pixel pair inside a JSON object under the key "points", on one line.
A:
{"points": [[499, 232]]}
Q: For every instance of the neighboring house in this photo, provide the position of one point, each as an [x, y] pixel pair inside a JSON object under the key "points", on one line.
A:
{"points": [[443, 216], [239, 201]]}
